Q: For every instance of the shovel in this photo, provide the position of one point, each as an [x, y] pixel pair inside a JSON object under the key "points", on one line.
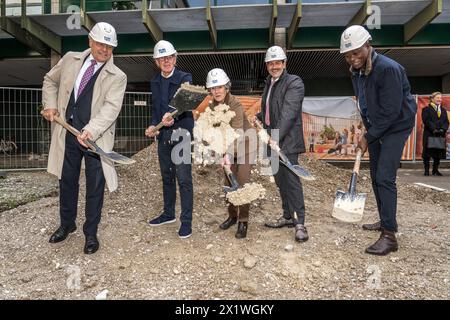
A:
{"points": [[93, 147], [187, 98], [349, 206], [232, 178], [296, 169]]}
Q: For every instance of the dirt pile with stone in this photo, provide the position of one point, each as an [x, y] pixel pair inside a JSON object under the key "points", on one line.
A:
{"points": [[136, 261]]}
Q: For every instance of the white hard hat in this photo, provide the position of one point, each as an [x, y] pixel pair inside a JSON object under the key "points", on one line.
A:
{"points": [[216, 77], [163, 49], [354, 37], [275, 53], [105, 33]]}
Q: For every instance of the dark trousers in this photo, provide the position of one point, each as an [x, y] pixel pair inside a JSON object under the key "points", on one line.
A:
{"points": [[69, 186], [291, 191], [385, 156], [169, 172], [426, 162], [242, 172]]}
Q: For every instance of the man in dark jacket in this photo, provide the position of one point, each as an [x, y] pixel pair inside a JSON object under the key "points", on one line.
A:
{"points": [[281, 109], [388, 111], [163, 88]]}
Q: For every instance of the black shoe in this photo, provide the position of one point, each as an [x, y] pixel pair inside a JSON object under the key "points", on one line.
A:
{"points": [[91, 245], [241, 230], [61, 234], [301, 234], [372, 226], [228, 223], [385, 244], [426, 173], [280, 223], [437, 173]]}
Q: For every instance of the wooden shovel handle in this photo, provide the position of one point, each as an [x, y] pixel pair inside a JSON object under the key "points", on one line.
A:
{"points": [[357, 161], [160, 125], [71, 129]]}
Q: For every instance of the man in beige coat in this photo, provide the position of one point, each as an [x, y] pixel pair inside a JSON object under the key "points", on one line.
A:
{"points": [[86, 89]]}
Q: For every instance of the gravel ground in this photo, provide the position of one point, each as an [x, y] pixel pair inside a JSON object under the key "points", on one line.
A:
{"points": [[136, 261]]}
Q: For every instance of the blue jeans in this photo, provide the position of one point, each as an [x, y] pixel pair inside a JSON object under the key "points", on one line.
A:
{"points": [[385, 156], [169, 172]]}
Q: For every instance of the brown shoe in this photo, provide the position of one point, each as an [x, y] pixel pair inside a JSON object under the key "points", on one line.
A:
{"points": [[385, 244], [280, 223], [301, 234], [372, 226]]}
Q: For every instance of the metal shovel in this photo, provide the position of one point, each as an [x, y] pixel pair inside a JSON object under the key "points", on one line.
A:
{"points": [[93, 147], [187, 98], [295, 168], [349, 206], [232, 178]]}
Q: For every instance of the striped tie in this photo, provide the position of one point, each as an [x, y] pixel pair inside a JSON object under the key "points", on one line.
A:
{"points": [[87, 76]]}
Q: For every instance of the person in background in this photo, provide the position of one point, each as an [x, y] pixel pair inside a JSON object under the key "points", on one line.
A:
{"points": [[311, 141], [435, 124], [388, 111]]}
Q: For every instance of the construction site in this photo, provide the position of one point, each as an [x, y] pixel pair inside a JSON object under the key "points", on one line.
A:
{"points": [[136, 261]]}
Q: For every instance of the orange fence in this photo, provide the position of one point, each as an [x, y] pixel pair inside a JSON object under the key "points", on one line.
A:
{"points": [[321, 145]]}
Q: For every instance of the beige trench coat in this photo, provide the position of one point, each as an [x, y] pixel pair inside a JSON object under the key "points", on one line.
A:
{"points": [[107, 99]]}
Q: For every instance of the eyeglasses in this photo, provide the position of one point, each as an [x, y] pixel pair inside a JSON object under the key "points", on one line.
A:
{"points": [[167, 58]]}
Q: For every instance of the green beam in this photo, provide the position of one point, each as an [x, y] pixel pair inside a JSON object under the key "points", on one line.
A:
{"points": [[211, 24], [361, 16], [150, 23], [273, 23], [85, 19], [422, 19], [43, 34], [293, 28]]}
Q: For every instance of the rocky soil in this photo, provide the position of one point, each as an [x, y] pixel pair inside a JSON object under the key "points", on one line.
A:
{"points": [[136, 261]]}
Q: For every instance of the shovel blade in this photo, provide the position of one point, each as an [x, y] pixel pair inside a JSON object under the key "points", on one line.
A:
{"points": [[349, 207], [113, 156], [299, 171], [227, 189]]}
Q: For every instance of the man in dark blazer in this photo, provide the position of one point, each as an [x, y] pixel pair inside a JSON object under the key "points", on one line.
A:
{"points": [[86, 89], [388, 111], [163, 88], [281, 109]]}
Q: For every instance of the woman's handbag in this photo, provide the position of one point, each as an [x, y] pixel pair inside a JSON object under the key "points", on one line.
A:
{"points": [[436, 143]]}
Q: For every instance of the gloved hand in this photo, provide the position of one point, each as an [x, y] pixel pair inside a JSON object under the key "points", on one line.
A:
{"points": [[442, 131]]}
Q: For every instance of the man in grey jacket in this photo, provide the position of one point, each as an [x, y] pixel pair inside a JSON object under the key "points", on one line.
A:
{"points": [[281, 109]]}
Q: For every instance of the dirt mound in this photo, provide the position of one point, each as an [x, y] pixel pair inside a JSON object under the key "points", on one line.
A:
{"points": [[136, 261]]}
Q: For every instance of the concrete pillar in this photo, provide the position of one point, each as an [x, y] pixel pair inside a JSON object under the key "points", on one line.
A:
{"points": [[446, 83], [280, 33], [54, 56]]}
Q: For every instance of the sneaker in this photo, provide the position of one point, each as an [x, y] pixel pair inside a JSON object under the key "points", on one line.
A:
{"points": [[185, 231], [162, 219]]}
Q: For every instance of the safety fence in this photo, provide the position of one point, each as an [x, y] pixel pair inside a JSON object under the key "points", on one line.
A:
{"points": [[25, 135]]}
